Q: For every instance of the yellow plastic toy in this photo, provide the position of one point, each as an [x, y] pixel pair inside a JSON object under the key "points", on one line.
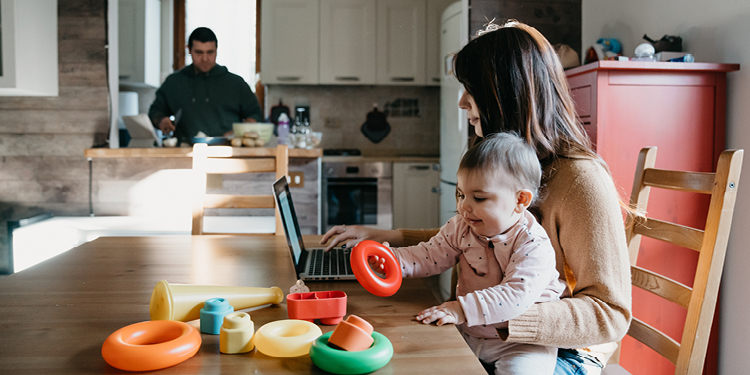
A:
{"points": [[183, 302], [237, 334], [286, 338]]}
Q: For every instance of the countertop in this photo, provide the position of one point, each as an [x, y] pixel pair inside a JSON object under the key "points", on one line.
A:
{"points": [[180, 152], [375, 159]]}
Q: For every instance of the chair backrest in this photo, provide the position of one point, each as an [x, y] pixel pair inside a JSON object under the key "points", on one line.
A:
{"points": [[227, 160], [688, 355]]}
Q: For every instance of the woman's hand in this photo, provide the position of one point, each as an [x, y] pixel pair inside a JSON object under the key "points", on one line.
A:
{"points": [[353, 234], [447, 313]]}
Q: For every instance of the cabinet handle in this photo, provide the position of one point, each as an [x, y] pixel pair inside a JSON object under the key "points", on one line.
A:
{"points": [[435, 189], [435, 79], [420, 167], [347, 79], [402, 79], [288, 78]]}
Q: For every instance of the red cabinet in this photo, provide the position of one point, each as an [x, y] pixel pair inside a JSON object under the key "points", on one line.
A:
{"points": [[681, 109]]}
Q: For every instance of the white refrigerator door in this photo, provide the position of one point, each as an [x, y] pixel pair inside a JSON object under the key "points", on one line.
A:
{"points": [[453, 121]]}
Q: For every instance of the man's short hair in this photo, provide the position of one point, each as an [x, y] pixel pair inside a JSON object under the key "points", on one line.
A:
{"points": [[203, 35]]}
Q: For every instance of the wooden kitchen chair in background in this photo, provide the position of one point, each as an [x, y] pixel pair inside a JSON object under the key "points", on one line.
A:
{"points": [[700, 301], [223, 160]]}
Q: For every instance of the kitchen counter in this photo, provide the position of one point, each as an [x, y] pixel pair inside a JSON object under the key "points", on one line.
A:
{"points": [[154, 182], [371, 159], [184, 152]]}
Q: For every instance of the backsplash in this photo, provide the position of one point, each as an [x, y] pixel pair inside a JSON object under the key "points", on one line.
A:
{"points": [[340, 111]]}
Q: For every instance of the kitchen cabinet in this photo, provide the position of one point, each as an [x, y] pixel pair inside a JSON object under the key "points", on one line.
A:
{"points": [[139, 51], [401, 40], [681, 109], [351, 42], [435, 9], [28, 48], [289, 42], [347, 42], [416, 198]]}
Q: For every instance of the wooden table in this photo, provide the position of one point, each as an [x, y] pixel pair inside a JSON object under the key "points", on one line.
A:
{"points": [[55, 316]]}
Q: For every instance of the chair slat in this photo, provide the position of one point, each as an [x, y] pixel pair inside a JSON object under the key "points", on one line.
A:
{"points": [[689, 354], [696, 182], [238, 201], [661, 286], [651, 337], [677, 234], [225, 166]]}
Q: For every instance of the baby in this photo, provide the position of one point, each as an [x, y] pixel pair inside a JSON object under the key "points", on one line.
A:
{"points": [[506, 262]]}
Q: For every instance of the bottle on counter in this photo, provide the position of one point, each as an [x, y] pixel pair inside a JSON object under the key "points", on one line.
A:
{"points": [[283, 129]]}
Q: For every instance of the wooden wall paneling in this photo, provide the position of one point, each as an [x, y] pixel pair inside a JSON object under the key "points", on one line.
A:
{"points": [[558, 20], [81, 8], [23, 168], [82, 74], [49, 121], [42, 166], [71, 97], [47, 144]]}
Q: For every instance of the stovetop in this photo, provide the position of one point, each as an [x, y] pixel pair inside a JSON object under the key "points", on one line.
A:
{"points": [[342, 152]]}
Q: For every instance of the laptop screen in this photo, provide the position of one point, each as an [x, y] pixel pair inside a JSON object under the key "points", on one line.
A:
{"points": [[288, 218]]}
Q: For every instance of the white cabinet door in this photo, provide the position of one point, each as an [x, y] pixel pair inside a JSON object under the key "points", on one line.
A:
{"points": [[347, 42], [435, 9], [401, 40], [139, 42], [416, 199], [289, 41]]}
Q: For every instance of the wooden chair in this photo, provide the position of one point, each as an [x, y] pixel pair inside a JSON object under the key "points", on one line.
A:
{"points": [[688, 355], [225, 160]]}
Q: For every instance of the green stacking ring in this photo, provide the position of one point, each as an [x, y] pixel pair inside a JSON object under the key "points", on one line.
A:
{"points": [[349, 363]]}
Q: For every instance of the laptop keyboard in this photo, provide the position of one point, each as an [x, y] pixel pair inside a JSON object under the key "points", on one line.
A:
{"points": [[334, 262]]}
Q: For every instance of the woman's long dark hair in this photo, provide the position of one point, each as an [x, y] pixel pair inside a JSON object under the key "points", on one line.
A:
{"points": [[518, 85]]}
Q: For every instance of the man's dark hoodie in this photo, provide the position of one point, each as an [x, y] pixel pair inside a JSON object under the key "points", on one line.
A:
{"points": [[208, 102]]}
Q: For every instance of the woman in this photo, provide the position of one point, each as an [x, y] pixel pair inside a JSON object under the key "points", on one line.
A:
{"points": [[514, 83]]}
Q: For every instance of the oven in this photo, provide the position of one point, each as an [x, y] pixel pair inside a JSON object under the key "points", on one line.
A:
{"points": [[357, 193]]}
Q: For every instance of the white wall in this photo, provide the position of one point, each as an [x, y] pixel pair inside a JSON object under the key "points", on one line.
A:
{"points": [[714, 31]]}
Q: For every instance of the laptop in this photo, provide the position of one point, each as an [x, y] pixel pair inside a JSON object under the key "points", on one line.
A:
{"points": [[309, 264]]}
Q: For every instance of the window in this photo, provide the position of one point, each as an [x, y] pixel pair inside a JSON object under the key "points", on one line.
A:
{"points": [[233, 22]]}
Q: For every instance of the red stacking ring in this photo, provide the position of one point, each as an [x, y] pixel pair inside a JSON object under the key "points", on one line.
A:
{"points": [[367, 277]]}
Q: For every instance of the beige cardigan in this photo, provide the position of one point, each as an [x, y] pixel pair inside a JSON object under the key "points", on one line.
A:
{"points": [[579, 209]]}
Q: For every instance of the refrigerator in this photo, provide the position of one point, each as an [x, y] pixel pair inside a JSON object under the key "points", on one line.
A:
{"points": [[453, 120]]}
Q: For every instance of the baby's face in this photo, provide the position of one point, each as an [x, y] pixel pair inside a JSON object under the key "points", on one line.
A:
{"points": [[488, 207]]}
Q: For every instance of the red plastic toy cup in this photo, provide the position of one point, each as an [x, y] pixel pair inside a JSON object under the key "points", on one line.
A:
{"points": [[354, 334]]}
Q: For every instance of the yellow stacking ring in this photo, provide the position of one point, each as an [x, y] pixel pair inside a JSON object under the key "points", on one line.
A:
{"points": [[286, 338]]}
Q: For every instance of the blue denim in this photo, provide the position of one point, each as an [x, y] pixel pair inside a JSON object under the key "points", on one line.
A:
{"points": [[569, 363]]}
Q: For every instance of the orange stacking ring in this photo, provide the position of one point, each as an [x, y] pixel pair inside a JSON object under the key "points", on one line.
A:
{"points": [[152, 345], [353, 334], [367, 277]]}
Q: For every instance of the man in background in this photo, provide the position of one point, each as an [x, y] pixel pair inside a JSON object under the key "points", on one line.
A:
{"points": [[204, 96]]}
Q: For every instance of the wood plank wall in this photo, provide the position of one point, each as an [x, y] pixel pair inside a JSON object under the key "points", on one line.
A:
{"points": [[558, 20], [42, 139]]}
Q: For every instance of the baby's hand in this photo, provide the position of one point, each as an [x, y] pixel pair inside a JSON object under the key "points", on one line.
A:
{"points": [[376, 262], [447, 313]]}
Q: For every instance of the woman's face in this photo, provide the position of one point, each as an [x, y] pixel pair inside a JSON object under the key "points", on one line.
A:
{"points": [[467, 102]]}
